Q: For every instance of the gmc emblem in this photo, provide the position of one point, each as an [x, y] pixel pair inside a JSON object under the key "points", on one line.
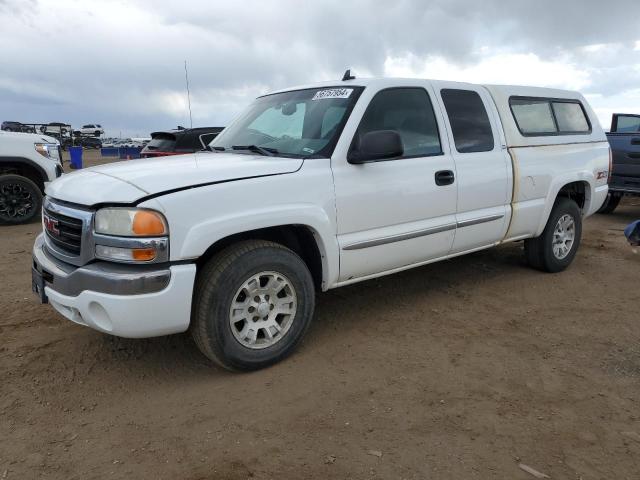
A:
{"points": [[50, 225]]}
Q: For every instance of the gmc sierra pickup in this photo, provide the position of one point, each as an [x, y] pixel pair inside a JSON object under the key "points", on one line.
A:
{"points": [[313, 188], [624, 139]]}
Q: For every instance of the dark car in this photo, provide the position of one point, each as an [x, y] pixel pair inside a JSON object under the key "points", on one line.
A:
{"points": [[10, 126], [89, 142], [624, 179], [176, 142]]}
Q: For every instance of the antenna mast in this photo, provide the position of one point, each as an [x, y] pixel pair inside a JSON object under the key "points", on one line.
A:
{"points": [[186, 78]]}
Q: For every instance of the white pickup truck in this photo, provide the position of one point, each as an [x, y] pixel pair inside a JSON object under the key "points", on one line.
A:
{"points": [[312, 188]]}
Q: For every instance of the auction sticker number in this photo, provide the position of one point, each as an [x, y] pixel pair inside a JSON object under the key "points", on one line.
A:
{"points": [[333, 93]]}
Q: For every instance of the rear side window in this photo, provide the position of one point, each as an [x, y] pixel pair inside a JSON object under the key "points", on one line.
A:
{"points": [[570, 117], [185, 141], [533, 116], [547, 116], [409, 112], [469, 121], [162, 143]]}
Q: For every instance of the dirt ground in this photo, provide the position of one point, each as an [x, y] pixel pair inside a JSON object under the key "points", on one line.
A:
{"points": [[457, 370]]}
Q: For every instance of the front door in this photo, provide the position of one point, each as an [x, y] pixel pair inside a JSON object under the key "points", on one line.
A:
{"points": [[400, 211]]}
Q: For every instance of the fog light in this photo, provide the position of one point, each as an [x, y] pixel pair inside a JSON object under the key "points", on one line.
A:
{"points": [[125, 254]]}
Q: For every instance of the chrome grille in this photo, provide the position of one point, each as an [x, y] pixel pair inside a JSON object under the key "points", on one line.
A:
{"points": [[67, 232]]}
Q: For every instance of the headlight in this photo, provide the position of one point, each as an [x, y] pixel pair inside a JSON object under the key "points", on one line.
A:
{"points": [[48, 150], [131, 235], [130, 222]]}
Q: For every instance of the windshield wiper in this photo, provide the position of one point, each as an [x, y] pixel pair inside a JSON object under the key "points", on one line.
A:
{"points": [[217, 149], [267, 152]]}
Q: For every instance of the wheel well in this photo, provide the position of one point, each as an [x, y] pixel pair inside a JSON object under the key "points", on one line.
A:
{"points": [[24, 170], [298, 238], [579, 192]]}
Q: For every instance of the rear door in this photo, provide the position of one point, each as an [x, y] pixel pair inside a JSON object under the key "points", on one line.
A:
{"points": [[625, 146], [483, 166]]}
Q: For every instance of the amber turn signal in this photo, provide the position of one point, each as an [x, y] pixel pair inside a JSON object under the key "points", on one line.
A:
{"points": [[143, 254], [148, 223]]}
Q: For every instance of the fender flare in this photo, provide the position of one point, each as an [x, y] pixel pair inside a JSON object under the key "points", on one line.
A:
{"points": [[200, 237], [558, 184], [25, 161]]}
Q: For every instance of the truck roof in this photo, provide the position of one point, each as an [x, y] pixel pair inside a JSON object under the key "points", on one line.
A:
{"points": [[500, 94]]}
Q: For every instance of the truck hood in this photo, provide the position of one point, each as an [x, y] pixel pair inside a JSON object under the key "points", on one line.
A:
{"points": [[30, 138], [129, 181]]}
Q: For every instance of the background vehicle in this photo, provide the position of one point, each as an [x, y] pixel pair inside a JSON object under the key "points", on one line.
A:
{"points": [[624, 139], [27, 163], [9, 126], [89, 142], [313, 189], [175, 142], [92, 129], [56, 128]]}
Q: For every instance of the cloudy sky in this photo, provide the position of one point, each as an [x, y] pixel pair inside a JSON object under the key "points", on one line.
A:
{"points": [[121, 63]]}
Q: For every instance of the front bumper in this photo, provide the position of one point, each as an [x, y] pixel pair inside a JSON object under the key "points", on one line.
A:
{"points": [[124, 300]]}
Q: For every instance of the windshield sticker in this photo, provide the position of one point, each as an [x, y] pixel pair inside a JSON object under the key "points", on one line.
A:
{"points": [[308, 150], [333, 93]]}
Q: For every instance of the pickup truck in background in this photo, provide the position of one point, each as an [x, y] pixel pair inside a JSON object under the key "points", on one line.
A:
{"points": [[624, 139], [312, 188]]}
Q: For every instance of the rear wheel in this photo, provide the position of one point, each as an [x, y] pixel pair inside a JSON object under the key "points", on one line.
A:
{"points": [[20, 199], [554, 250], [253, 303], [611, 202]]}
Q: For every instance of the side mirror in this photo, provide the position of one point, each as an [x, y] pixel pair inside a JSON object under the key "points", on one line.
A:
{"points": [[376, 145]]}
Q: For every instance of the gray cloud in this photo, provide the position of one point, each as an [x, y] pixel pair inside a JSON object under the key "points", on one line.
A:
{"points": [[121, 63]]}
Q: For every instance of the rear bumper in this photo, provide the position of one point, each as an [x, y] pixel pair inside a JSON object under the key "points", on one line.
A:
{"points": [[129, 302]]}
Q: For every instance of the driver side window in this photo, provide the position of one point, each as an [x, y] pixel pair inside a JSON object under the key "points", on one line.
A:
{"points": [[274, 123], [409, 112]]}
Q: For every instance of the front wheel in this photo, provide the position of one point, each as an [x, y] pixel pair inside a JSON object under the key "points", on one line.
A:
{"points": [[253, 302], [554, 250], [20, 199]]}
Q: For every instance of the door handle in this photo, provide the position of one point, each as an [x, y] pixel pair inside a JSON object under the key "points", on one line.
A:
{"points": [[445, 177], [635, 141]]}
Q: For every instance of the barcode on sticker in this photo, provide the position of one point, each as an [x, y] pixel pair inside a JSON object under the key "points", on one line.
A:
{"points": [[333, 93]]}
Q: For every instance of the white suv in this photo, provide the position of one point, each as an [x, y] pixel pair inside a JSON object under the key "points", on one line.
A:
{"points": [[92, 129], [28, 162]]}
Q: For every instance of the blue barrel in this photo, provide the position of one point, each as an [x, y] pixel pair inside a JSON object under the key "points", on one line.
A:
{"points": [[76, 157], [109, 152], [133, 152]]}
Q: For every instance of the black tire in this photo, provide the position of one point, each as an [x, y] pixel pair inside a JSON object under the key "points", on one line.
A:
{"points": [[611, 203], [216, 287], [539, 251], [15, 189]]}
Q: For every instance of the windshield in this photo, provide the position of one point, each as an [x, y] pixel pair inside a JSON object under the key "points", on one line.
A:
{"points": [[301, 123]]}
